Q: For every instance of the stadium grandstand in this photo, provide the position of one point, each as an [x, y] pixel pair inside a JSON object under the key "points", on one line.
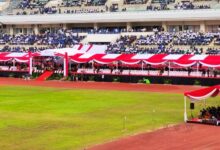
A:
{"points": [[122, 27]]}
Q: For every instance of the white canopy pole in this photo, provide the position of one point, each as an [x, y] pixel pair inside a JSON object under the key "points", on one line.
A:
{"points": [[185, 113], [169, 69], [70, 63], [197, 69], [117, 66], [142, 67], [64, 66], [30, 65], [13, 62], [93, 67], [205, 103]]}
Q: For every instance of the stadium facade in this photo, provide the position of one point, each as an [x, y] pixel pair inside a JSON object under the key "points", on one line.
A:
{"points": [[172, 20]]}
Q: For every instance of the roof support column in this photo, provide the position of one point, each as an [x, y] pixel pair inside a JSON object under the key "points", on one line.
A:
{"points": [[202, 26], [64, 26], [164, 26], [11, 30], [95, 26], [128, 26], [36, 29]]}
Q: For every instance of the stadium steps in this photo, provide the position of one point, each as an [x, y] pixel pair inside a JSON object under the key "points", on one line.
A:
{"points": [[12, 5], [45, 76]]}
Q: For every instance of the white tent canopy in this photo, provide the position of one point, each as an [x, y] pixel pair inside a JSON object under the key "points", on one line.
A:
{"points": [[90, 48]]}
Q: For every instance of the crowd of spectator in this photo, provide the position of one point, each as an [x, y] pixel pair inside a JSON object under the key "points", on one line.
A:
{"points": [[189, 5], [25, 4], [55, 10], [160, 38], [71, 3], [163, 1], [217, 41], [164, 42], [162, 6], [101, 30], [210, 113], [122, 45], [62, 38], [31, 7], [30, 4], [95, 2], [156, 43], [90, 10], [13, 66], [41, 10], [191, 50], [24, 49], [135, 1], [105, 30], [133, 49], [213, 51], [193, 38]]}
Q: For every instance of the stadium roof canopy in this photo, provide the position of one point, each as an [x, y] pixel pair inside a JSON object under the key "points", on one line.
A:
{"points": [[134, 16]]}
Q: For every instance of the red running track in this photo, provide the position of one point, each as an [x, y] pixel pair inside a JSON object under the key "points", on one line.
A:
{"points": [[180, 137], [101, 85]]}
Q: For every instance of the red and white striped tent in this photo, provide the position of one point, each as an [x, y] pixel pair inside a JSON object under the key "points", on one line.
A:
{"points": [[153, 59], [201, 94], [96, 53], [76, 49], [130, 59], [19, 57], [64, 52]]}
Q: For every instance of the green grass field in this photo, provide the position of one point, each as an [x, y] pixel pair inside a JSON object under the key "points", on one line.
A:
{"points": [[39, 118]]}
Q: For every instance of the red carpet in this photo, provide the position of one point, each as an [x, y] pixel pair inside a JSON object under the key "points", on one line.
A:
{"points": [[44, 76]]}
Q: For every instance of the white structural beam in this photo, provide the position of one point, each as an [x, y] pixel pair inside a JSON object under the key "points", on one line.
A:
{"points": [[185, 112]]}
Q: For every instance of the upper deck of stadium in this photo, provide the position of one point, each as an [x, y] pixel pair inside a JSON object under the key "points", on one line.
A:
{"points": [[79, 11]]}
